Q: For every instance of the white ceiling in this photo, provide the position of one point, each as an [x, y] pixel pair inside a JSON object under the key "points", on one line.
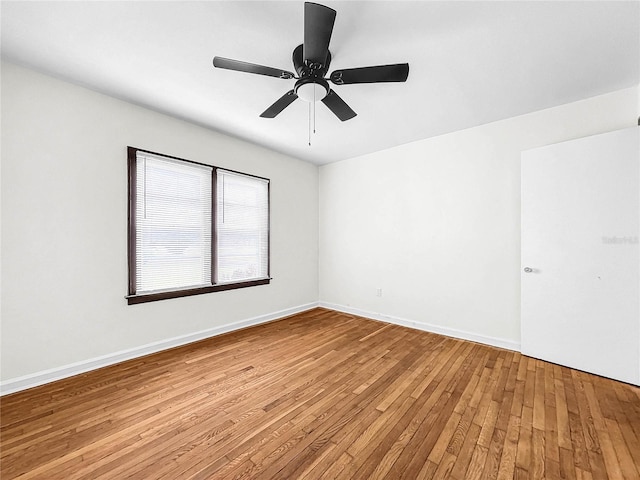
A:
{"points": [[471, 62]]}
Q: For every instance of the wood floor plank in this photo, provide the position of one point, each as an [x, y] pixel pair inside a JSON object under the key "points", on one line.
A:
{"points": [[508, 459], [325, 395], [494, 454], [523, 456]]}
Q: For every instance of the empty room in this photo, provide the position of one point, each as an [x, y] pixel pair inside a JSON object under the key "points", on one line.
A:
{"points": [[338, 240]]}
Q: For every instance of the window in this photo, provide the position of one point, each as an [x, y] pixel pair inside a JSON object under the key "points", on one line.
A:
{"points": [[194, 228]]}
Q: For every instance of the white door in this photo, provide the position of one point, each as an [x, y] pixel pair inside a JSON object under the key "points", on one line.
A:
{"points": [[580, 262]]}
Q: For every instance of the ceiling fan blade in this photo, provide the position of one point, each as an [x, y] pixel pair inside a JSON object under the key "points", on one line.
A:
{"points": [[280, 104], [338, 106], [230, 64], [318, 26], [382, 73]]}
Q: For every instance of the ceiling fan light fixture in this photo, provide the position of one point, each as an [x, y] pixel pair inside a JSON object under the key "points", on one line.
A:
{"points": [[311, 90]]}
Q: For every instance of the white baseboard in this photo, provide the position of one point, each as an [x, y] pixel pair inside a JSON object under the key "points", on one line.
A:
{"points": [[427, 327], [46, 376]]}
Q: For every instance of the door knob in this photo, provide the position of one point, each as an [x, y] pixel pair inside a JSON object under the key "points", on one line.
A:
{"points": [[528, 269]]}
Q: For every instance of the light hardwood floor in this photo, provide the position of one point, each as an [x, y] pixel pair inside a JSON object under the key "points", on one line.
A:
{"points": [[325, 395]]}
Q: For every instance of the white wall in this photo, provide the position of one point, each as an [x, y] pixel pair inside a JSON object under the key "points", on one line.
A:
{"points": [[436, 223], [64, 227]]}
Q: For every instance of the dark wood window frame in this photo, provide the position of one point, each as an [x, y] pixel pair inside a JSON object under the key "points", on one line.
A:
{"points": [[133, 297]]}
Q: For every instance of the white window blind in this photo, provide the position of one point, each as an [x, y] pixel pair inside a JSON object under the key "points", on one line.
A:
{"points": [[173, 224], [242, 227]]}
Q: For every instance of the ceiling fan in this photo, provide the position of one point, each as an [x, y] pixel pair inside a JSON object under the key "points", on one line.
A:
{"points": [[311, 62]]}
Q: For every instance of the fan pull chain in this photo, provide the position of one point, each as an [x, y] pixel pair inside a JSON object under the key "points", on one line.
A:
{"points": [[309, 125], [314, 115]]}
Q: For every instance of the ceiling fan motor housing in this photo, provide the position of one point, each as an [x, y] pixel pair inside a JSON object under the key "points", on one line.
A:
{"points": [[305, 69], [311, 87]]}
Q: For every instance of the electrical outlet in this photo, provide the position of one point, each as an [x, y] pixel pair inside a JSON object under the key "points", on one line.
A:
{"points": [[378, 292]]}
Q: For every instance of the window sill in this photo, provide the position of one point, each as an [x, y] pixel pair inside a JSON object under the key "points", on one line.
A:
{"points": [[153, 297]]}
